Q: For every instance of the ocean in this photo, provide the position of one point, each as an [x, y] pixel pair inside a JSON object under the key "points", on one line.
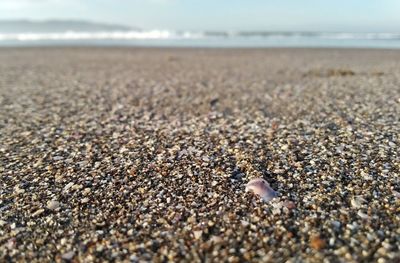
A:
{"points": [[165, 38]]}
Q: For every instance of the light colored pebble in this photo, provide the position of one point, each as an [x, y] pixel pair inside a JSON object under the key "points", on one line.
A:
{"points": [[53, 204], [68, 255]]}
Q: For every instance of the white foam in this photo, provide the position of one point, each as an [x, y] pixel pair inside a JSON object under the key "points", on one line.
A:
{"points": [[176, 35], [71, 35]]}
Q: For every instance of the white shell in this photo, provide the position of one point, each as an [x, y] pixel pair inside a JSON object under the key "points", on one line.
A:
{"points": [[261, 187]]}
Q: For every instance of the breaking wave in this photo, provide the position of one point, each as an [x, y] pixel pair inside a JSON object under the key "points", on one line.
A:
{"points": [[204, 39], [165, 34]]}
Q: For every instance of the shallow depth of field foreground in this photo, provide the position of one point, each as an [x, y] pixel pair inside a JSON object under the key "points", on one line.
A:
{"points": [[133, 154]]}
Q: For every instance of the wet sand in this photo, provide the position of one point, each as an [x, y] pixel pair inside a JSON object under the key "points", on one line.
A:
{"points": [[135, 154]]}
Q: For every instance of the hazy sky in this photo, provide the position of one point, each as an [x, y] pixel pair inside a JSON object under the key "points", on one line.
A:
{"points": [[335, 15]]}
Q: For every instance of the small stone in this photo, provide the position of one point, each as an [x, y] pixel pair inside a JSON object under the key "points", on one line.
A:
{"points": [[336, 224], [182, 153], [289, 204], [38, 212], [192, 219], [100, 248], [77, 187], [244, 223], [276, 210], [133, 258], [68, 186], [85, 200], [316, 242], [63, 241], [216, 239], [362, 215], [356, 202], [366, 176], [386, 245], [68, 256], [58, 178], [11, 243], [53, 204], [382, 251], [197, 234], [86, 191], [18, 190]]}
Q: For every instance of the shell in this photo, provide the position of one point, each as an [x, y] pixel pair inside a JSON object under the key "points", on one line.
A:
{"points": [[261, 187]]}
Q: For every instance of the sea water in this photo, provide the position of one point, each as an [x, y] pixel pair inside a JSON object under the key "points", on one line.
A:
{"points": [[165, 38]]}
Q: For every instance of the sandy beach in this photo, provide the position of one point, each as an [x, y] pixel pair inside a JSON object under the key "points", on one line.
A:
{"points": [[143, 154]]}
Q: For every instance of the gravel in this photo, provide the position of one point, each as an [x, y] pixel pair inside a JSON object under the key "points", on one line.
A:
{"points": [[143, 155]]}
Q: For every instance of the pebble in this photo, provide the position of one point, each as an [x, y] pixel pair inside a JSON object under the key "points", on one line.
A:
{"points": [[86, 191], [53, 204], [366, 176], [362, 215], [68, 186], [336, 224], [317, 242], [356, 202], [197, 234], [38, 212], [68, 255], [289, 204]]}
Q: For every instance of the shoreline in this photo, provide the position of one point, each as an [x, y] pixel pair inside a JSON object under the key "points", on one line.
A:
{"points": [[176, 47]]}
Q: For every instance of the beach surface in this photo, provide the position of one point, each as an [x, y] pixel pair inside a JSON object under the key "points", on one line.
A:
{"points": [[143, 154]]}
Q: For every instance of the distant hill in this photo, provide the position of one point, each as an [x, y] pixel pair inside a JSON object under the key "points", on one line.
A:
{"points": [[47, 26]]}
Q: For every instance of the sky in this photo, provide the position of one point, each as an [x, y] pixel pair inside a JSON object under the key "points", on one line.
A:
{"points": [[268, 15]]}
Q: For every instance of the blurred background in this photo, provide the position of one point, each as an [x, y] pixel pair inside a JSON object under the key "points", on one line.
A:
{"points": [[206, 23]]}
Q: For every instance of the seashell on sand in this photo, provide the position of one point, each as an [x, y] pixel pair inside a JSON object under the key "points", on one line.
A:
{"points": [[261, 188]]}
